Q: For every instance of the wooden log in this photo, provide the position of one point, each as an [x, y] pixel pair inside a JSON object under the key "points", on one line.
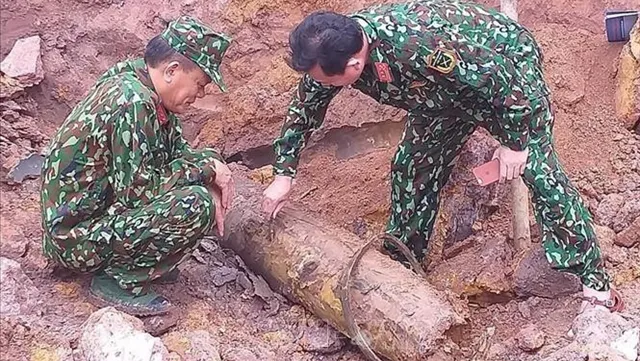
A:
{"points": [[401, 315]]}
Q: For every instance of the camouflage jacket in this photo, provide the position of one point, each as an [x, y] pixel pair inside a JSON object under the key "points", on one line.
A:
{"points": [[430, 57], [117, 150]]}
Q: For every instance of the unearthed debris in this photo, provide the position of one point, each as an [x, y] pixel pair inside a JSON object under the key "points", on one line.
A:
{"points": [[610, 251], [159, 325], [630, 236], [24, 62], [464, 202], [240, 354], [18, 295], [111, 335], [262, 175], [535, 277], [600, 335], [321, 338], [530, 338], [224, 275], [619, 210], [400, 313], [9, 87], [628, 82], [479, 272], [193, 346], [13, 243], [20, 138], [29, 167], [627, 344]]}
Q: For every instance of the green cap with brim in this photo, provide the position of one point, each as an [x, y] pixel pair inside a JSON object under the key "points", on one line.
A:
{"points": [[199, 43]]}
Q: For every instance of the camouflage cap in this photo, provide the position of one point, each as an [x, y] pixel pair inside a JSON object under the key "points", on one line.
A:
{"points": [[199, 43]]}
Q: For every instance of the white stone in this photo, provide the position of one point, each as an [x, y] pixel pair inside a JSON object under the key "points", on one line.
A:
{"points": [[110, 335], [24, 62], [627, 344]]}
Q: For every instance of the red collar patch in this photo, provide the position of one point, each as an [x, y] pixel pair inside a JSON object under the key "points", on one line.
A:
{"points": [[384, 72], [163, 118]]}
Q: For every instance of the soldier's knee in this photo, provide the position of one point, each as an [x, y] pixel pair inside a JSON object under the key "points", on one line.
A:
{"points": [[203, 200], [197, 204]]}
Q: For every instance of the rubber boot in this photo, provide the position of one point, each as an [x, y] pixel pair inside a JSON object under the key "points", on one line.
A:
{"points": [[168, 278], [107, 290]]}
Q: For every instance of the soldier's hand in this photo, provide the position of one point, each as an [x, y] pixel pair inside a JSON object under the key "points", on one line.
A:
{"points": [[224, 181], [276, 195], [219, 212], [512, 163]]}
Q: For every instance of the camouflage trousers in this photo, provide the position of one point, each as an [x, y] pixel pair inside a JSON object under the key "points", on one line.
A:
{"points": [[423, 163], [139, 245]]}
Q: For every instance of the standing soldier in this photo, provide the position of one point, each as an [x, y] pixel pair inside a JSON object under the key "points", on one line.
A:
{"points": [[123, 194], [453, 66]]}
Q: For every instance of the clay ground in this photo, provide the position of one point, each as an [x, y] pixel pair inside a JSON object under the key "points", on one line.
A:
{"points": [[345, 181]]}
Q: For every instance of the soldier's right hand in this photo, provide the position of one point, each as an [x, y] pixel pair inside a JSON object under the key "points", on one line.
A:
{"points": [[219, 213], [224, 181], [276, 195]]}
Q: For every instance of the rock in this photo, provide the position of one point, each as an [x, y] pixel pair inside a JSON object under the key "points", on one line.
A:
{"points": [[257, 353], [28, 167], [9, 87], [630, 236], [524, 309], [440, 356], [110, 335], [51, 353], [478, 272], [194, 346], [18, 294], [240, 354], [627, 344], [535, 277], [24, 62], [13, 243], [597, 331], [224, 275], [568, 353], [262, 175], [464, 201], [13, 332], [609, 208], [627, 94], [600, 335], [610, 252], [499, 352], [159, 325], [618, 211], [321, 338], [530, 338]]}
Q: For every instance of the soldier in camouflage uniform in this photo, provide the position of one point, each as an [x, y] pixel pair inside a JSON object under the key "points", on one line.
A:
{"points": [[454, 66], [123, 194]]}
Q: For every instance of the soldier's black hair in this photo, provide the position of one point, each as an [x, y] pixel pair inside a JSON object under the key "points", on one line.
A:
{"points": [[158, 52], [326, 39]]}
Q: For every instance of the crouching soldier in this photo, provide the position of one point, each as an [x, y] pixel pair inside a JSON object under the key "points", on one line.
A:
{"points": [[123, 195]]}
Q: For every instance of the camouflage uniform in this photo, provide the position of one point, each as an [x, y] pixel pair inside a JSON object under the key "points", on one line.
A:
{"points": [[455, 66], [122, 191]]}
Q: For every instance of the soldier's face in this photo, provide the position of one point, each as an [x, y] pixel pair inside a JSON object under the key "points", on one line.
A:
{"points": [[183, 87], [351, 73]]}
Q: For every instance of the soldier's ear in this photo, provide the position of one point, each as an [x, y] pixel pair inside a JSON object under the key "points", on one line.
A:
{"points": [[170, 71], [357, 64]]}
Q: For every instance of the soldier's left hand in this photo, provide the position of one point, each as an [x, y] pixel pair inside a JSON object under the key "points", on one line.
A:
{"points": [[512, 163], [224, 182]]}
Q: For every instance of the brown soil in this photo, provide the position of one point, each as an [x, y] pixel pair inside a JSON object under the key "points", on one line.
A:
{"points": [[344, 182]]}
